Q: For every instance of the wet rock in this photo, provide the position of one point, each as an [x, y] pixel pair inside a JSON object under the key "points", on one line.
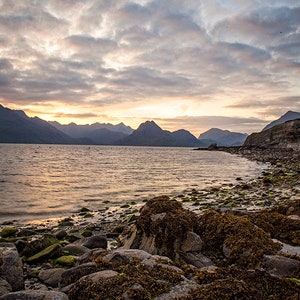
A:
{"points": [[66, 261], [5, 287], [234, 238], [35, 295], [195, 259], [51, 277], [61, 234], [73, 274], [136, 291], [96, 241], [75, 249], [123, 256], [164, 227], [94, 286], [179, 291], [52, 251], [143, 275], [38, 243], [11, 266], [89, 256], [8, 232], [281, 266]]}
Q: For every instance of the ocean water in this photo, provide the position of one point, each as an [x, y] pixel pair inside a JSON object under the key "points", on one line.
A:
{"points": [[39, 181]]}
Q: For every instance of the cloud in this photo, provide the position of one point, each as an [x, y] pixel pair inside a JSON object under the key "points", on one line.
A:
{"points": [[231, 56]]}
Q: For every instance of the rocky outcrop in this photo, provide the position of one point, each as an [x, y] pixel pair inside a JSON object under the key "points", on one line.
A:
{"points": [[11, 267], [285, 135], [168, 253]]}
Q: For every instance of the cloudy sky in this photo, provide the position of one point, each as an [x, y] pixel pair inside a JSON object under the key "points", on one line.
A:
{"points": [[190, 64]]}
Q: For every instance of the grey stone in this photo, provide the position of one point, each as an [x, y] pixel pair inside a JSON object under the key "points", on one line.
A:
{"points": [[196, 259], [100, 276], [51, 277], [136, 291], [5, 287], [122, 256], [96, 241], [71, 275], [280, 265], [89, 256], [11, 266], [35, 295], [74, 249], [192, 243], [179, 291]]}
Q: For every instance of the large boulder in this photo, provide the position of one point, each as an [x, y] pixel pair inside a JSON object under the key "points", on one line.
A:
{"points": [[11, 266], [233, 239], [35, 295], [164, 228]]}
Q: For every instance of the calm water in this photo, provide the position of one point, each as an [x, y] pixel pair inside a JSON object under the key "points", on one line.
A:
{"points": [[38, 181]]}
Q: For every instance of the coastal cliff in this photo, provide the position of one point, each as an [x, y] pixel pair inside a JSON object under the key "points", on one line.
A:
{"points": [[286, 135]]}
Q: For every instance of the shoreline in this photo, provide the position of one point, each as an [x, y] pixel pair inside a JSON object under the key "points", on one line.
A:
{"points": [[256, 220]]}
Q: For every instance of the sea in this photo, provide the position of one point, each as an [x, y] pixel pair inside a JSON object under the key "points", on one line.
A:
{"points": [[42, 181]]}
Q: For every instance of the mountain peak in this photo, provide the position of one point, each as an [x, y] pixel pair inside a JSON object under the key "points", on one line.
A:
{"points": [[288, 116], [222, 137], [149, 125]]}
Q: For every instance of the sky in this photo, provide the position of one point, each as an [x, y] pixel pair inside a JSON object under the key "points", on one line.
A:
{"points": [[191, 64]]}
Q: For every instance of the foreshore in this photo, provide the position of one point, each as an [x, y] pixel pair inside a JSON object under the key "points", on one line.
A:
{"points": [[185, 263]]}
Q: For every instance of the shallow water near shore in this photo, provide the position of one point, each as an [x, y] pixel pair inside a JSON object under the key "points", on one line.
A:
{"points": [[41, 181]]}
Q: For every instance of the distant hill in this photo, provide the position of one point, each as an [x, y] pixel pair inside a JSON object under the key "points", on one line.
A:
{"points": [[222, 137], [17, 127], [150, 134], [99, 133], [77, 131], [285, 135], [288, 116]]}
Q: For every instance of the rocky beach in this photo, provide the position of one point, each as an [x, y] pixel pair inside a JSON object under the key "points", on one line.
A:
{"points": [[234, 241]]}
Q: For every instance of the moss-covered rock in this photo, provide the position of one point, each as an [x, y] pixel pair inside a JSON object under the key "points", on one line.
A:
{"points": [[50, 252], [8, 232], [66, 261]]}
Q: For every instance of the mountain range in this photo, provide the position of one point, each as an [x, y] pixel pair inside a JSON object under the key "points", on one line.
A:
{"points": [[17, 127]]}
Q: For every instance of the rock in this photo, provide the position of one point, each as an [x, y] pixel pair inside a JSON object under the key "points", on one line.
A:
{"points": [[164, 227], [8, 232], [50, 252], [280, 265], [94, 286], [61, 234], [38, 244], [73, 274], [191, 243], [66, 261], [51, 277], [89, 256], [234, 238], [11, 266], [195, 259], [26, 232], [123, 256], [101, 275], [74, 249], [136, 291], [96, 241], [179, 291], [5, 287], [35, 295]]}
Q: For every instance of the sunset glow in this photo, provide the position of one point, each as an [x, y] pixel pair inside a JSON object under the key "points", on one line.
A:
{"points": [[185, 64]]}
